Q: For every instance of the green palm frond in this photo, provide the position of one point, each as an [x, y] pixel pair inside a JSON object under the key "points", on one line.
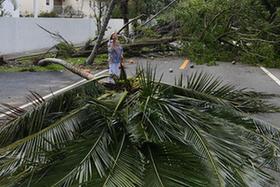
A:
{"points": [[196, 132], [11, 112], [209, 84], [32, 148], [45, 113], [189, 93], [98, 156], [190, 134], [127, 169], [169, 164], [147, 80]]}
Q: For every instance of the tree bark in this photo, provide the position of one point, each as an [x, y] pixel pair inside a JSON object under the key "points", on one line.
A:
{"points": [[124, 9], [93, 54], [68, 66]]}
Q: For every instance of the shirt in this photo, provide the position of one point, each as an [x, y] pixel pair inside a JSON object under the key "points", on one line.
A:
{"points": [[114, 53]]}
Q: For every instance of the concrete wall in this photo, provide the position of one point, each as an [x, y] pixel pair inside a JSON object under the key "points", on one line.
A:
{"points": [[21, 35]]}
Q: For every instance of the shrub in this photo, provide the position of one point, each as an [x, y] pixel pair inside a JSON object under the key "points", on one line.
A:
{"points": [[48, 14]]}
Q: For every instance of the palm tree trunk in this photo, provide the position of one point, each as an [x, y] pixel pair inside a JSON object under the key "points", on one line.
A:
{"points": [[68, 66], [93, 54]]}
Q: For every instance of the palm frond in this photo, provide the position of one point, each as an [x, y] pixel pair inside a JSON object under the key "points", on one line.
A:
{"points": [[45, 113], [30, 150], [211, 145], [127, 169], [98, 156], [209, 84], [147, 80], [248, 101], [155, 135], [169, 164]]}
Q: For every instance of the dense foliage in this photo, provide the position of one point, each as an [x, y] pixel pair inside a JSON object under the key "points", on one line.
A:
{"points": [[139, 132], [244, 30]]}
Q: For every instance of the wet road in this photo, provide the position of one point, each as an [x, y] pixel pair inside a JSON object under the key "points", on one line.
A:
{"points": [[14, 87]]}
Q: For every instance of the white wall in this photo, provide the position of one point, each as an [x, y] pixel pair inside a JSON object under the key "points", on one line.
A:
{"points": [[20, 35]]}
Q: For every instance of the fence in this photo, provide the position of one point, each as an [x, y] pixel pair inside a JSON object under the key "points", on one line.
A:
{"points": [[22, 35]]}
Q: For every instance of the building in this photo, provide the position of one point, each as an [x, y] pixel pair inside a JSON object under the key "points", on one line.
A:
{"points": [[62, 8]]}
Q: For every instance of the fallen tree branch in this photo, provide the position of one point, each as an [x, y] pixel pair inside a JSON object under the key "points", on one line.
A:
{"points": [[159, 12], [131, 47], [121, 29], [55, 35], [131, 21], [68, 66]]}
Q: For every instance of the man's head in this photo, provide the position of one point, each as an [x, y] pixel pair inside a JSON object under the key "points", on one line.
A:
{"points": [[114, 36]]}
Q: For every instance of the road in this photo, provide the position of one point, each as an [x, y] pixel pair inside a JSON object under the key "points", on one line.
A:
{"points": [[14, 87]]}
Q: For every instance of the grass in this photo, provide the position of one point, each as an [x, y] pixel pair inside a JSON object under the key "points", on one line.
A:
{"points": [[25, 64]]}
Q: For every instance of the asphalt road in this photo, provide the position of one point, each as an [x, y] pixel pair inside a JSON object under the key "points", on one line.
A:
{"points": [[15, 87]]}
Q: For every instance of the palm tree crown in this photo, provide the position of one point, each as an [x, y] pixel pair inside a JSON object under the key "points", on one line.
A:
{"points": [[141, 132]]}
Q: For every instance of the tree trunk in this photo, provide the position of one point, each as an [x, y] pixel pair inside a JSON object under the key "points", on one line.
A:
{"points": [[68, 66], [93, 54], [124, 9], [133, 48]]}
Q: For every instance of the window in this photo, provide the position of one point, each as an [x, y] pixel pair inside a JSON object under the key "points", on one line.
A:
{"points": [[47, 2]]}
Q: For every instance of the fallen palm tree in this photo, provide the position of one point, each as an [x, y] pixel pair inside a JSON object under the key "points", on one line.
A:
{"points": [[78, 71], [197, 133]]}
